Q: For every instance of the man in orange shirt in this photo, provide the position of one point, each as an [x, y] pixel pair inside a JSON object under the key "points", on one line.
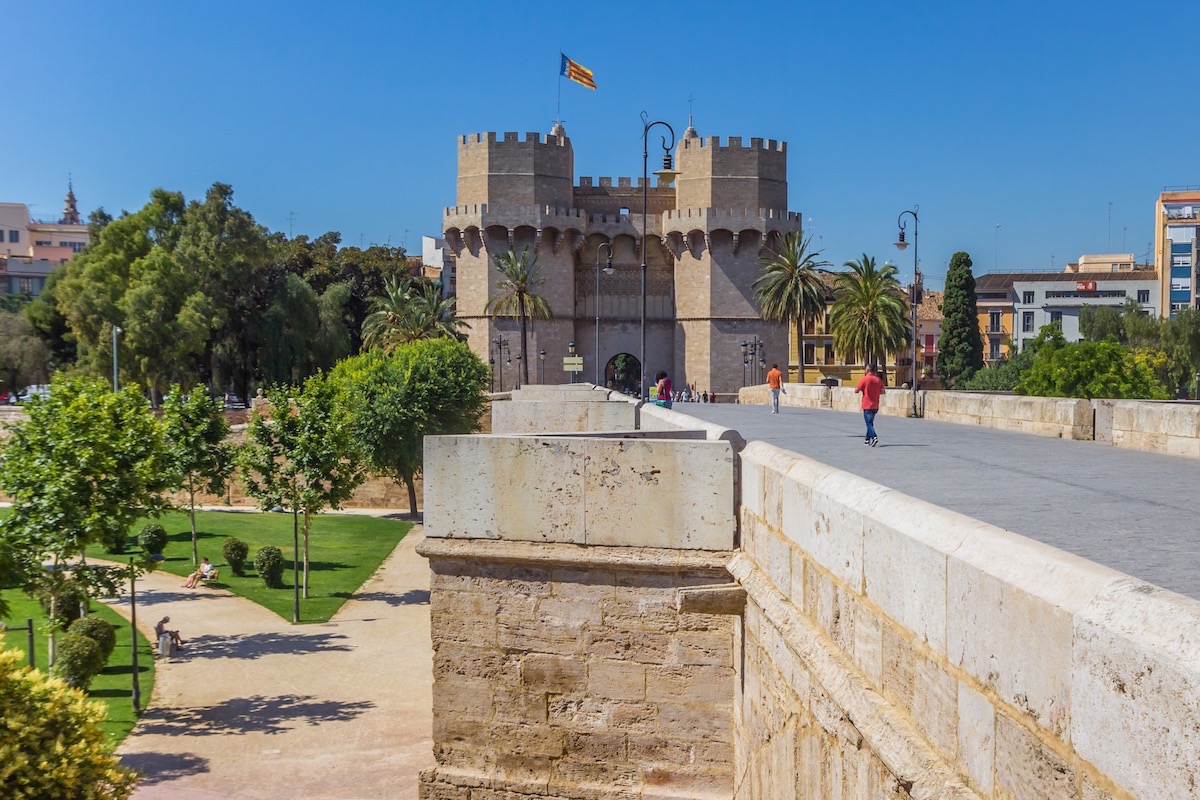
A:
{"points": [[871, 388], [775, 384]]}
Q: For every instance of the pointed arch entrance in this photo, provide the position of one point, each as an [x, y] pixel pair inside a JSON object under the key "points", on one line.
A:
{"points": [[622, 373]]}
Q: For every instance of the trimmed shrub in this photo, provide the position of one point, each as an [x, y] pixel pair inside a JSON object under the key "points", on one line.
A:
{"points": [[69, 600], [268, 563], [77, 659], [53, 743], [98, 630], [235, 552], [152, 539]]}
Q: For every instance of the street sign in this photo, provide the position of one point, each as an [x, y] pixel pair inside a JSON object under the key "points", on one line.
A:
{"points": [[573, 364]]}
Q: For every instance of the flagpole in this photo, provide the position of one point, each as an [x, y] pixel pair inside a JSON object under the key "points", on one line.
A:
{"points": [[558, 111]]}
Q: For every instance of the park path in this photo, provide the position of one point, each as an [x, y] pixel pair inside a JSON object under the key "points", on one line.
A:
{"points": [[254, 707]]}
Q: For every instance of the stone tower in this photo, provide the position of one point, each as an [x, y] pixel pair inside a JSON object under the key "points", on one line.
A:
{"points": [[704, 237]]}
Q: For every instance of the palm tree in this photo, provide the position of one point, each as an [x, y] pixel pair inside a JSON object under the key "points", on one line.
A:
{"points": [[790, 288], [518, 296], [868, 316], [410, 309]]}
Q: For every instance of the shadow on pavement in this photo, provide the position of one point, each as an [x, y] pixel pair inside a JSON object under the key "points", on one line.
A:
{"points": [[162, 767], [405, 516], [413, 597], [149, 597], [241, 715], [255, 645]]}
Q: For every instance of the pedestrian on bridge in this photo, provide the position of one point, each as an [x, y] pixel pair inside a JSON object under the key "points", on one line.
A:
{"points": [[871, 388], [775, 384]]}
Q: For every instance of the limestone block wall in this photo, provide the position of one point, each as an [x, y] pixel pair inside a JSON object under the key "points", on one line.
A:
{"points": [[1064, 418], [562, 668], [562, 416], [1169, 428], [892, 649]]}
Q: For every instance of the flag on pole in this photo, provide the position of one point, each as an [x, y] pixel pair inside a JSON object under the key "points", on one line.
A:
{"points": [[578, 73]]}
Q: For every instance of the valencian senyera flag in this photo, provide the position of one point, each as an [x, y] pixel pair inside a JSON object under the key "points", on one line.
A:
{"points": [[578, 73]]}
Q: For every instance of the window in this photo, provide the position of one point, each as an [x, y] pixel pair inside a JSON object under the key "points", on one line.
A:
{"points": [[994, 350], [41, 244], [1143, 295], [810, 354], [828, 354], [26, 286], [1027, 298], [1056, 319], [930, 341], [993, 322], [1026, 322], [14, 237]]}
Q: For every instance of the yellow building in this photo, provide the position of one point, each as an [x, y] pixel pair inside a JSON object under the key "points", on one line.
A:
{"points": [[994, 305], [1176, 217]]}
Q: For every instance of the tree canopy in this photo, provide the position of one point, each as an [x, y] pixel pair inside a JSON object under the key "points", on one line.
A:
{"points": [[425, 388], [868, 317], [960, 347], [790, 288]]}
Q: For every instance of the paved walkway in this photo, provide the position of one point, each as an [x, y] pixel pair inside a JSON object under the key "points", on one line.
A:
{"points": [[254, 707], [1132, 511]]}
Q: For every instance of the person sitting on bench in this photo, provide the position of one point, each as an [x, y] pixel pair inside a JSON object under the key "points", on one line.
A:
{"points": [[205, 572], [160, 630]]}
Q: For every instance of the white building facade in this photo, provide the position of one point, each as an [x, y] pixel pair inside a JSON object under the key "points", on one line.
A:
{"points": [[1056, 298]]}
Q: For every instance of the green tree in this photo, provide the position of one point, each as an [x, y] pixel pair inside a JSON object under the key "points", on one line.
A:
{"points": [[301, 454], [80, 470], [1090, 370], [194, 430], [960, 347], [53, 745], [433, 387], [867, 318], [24, 357], [408, 310], [790, 288], [1100, 323], [518, 297]]}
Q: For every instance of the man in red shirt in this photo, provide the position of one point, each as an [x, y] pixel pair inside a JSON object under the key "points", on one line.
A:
{"points": [[871, 389], [775, 384]]}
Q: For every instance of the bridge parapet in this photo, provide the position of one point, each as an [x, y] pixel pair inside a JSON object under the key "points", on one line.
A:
{"points": [[893, 643]]}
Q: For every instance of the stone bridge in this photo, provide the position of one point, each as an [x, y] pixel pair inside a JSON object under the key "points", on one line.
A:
{"points": [[634, 602]]}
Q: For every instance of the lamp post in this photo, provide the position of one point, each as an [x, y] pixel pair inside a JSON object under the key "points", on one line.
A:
{"points": [[136, 695], [667, 174], [571, 353], [517, 380], [116, 329], [914, 291], [501, 343], [745, 363], [542, 367], [608, 270], [492, 367]]}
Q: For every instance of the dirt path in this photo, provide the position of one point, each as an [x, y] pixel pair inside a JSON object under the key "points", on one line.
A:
{"points": [[255, 707]]}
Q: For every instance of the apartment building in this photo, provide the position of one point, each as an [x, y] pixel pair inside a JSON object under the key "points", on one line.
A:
{"points": [[23, 237], [1176, 215]]}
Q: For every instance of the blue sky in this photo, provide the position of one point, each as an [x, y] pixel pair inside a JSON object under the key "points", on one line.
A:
{"points": [[1035, 116]]}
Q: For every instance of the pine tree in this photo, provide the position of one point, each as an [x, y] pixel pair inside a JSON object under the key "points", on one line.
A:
{"points": [[960, 348]]}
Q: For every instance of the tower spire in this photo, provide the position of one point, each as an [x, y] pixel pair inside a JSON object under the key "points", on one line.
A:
{"points": [[690, 133], [70, 207]]}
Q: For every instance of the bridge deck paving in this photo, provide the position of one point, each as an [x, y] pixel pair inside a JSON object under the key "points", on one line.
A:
{"points": [[1128, 510]]}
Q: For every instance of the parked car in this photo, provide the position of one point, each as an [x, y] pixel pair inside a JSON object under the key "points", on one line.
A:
{"points": [[41, 390]]}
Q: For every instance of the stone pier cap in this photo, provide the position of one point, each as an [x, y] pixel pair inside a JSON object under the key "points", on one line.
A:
{"points": [[613, 489]]}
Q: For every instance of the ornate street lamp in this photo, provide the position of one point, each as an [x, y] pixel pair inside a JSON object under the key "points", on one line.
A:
{"points": [[608, 270], [542, 367], [914, 290], [665, 175], [571, 353]]}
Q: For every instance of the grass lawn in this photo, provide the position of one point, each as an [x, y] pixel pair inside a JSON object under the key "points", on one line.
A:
{"points": [[344, 550], [112, 686]]}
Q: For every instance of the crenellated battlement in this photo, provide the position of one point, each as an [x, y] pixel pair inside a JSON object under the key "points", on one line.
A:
{"points": [[478, 209], [512, 137], [591, 182], [733, 214], [736, 143]]}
